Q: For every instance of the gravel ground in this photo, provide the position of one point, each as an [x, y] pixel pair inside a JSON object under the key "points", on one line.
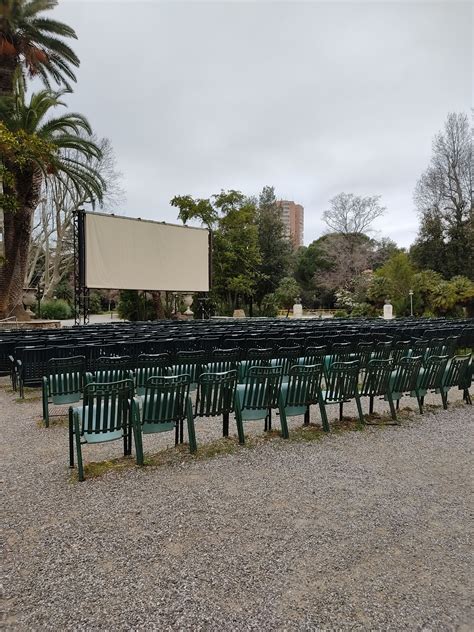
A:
{"points": [[361, 530]]}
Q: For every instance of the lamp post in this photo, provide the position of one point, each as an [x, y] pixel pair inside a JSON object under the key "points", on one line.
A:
{"points": [[411, 302]]}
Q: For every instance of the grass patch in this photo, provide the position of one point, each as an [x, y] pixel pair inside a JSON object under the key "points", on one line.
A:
{"points": [[55, 420], [179, 455], [26, 399]]}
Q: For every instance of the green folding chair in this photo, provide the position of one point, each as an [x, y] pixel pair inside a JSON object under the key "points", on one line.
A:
{"points": [[302, 389], [458, 374], [376, 383], [63, 383], [256, 398], [104, 415], [215, 396], [404, 380], [430, 378], [342, 385], [163, 408]]}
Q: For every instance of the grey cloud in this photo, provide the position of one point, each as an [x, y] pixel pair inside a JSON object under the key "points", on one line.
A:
{"points": [[314, 98]]}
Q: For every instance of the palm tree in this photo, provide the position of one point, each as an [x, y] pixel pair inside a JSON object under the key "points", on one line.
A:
{"points": [[33, 43], [46, 141]]}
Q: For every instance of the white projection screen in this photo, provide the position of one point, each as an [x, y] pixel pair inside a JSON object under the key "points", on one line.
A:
{"points": [[121, 253]]}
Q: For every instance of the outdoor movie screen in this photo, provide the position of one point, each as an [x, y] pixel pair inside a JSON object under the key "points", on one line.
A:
{"points": [[122, 253]]}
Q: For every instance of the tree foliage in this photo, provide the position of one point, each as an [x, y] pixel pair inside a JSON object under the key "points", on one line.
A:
{"points": [[444, 199], [31, 42]]}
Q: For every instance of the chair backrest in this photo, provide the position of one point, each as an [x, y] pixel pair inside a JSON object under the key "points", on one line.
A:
{"points": [[286, 357], [376, 378], [451, 344], [419, 348], [400, 350], [215, 393], [165, 399], [223, 360], [106, 407], [259, 356], [66, 375], [436, 347], [432, 375], [304, 385], [342, 381], [111, 369], [406, 374], [150, 365], [458, 372], [382, 350], [314, 355], [190, 363], [341, 352], [363, 353], [262, 387]]}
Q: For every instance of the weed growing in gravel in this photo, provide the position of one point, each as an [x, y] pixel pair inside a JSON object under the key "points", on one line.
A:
{"points": [[55, 420]]}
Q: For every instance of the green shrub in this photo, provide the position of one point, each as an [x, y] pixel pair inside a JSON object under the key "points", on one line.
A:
{"points": [[269, 306], [341, 313], [57, 309]]}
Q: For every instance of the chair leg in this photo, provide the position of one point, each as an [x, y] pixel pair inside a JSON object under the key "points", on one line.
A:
{"points": [[467, 397], [269, 419], [392, 407], [71, 439], [419, 399], [137, 437], [444, 399], [371, 405], [225, 425], [176, 433], [341, 410], [239, 423], [181, 430], [324, 416], [45, 407], [80, 466], [191, 428], [283, 419], [306, 417], [359, 410]]}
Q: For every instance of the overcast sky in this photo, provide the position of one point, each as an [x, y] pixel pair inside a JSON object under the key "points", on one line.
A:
{"points": [[313, 98]]}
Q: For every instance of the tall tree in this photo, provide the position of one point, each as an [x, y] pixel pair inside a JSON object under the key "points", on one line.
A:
{"points": [[350, 214], [33, 43], [444, 198], [275, 249], [51, 250], [34, 145]]}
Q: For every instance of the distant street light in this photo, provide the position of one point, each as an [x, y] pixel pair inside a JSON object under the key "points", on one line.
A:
{"points": [[411, 302]]}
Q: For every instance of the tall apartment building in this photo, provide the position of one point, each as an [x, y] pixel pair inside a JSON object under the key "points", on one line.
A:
{"points": [[292, 216]]}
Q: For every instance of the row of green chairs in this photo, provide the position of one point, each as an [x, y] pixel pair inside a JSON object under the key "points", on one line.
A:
{"points": [[112, 410]]}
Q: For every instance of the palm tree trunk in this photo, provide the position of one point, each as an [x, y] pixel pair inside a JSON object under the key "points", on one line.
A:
{"points": [[17, 235], [8, 64]]}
